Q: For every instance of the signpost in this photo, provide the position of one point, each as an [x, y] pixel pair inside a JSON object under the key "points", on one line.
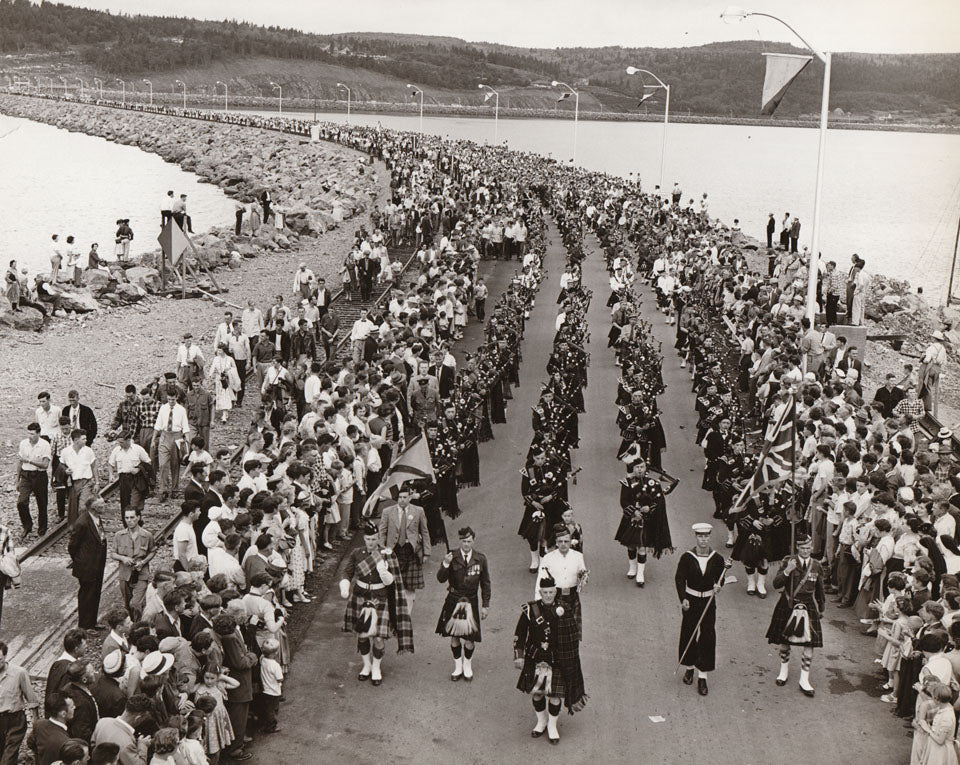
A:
{"points": [[173, 242]]}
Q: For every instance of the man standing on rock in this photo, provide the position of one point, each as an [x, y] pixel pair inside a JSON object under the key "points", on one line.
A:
{"points": [[771, 227], [170, 428]]}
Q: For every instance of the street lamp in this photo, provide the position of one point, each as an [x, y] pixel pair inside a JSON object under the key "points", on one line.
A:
{"points": [[81, 87], [99, 83], [63, 81], [666, 112], [418, 92], [183, 85], [576, 113], [123, 92], [151, 91], [225, 94], [496, 108], [279, 89], [345, 87], [734, 14]]}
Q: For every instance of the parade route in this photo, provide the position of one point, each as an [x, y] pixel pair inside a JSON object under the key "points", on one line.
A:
{"points": [[629, 651]]}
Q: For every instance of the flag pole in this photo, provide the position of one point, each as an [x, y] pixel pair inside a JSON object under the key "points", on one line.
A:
{"points": [[813, 264]]}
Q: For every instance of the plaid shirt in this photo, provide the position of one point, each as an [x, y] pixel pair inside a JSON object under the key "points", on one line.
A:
{"points": [[58, 444], [129, 416], [149, 409], [914, 411], [837, 283]]}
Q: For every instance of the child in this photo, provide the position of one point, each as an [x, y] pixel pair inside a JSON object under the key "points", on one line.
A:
{"points": [[165, 744], [191, 751], [887, 611], [218, 733], [576, 530], [346, 479], [894, 637], [271, 680], [198, 452], [332, 518]]}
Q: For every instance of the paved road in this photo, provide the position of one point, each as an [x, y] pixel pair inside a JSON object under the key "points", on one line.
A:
{"points": [[629, 650]]}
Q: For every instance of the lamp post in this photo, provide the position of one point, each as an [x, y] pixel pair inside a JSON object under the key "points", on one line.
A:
{"points": [[81, 87], [496, 108], [63, 81], [576, 113], [666, 113], [734, 14], [279, 89], [226, 103], [345, 87], [123, 92], [98, 82], [151, 91], [183, 85], [418, 92]]}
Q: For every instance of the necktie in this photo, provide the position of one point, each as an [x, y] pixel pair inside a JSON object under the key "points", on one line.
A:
{"points": [[170, 419], [403, 528], [75, 417]]}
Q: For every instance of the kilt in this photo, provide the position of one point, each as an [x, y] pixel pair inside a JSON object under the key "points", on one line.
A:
{"points": [[781, 615], [571, 603], [564, 661], [630, 531], [351, 617], [411, 567], [448, 605]]}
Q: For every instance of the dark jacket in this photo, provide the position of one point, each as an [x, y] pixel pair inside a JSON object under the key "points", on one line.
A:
{"points": [[463, 580], [86, 715], [110, 699], [87, 421], [240, 662], [45, 741], [88, 551]]}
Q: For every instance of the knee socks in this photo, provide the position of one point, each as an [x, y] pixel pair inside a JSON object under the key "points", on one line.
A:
{"points": [[785, 654], [363, 646], [805, 662], [467, 653], [378, 652], [539, 704], [456, 650], [554, 709], [641, 557]]}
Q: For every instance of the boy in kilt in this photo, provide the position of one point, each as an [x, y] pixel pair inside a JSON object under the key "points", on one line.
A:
{"points": [[796, 617], [377, 607], [466, 573], [546, 650], [644, 528]]}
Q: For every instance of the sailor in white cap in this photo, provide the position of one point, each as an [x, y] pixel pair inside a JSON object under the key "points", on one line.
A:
{"points": [[700, 575]]}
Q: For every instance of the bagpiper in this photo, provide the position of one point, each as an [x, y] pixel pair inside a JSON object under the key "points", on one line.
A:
{"points": [[377, 607], [796, 617], [467, 577], [700, 575], [546, 650], [542, 500], [644, 528]]}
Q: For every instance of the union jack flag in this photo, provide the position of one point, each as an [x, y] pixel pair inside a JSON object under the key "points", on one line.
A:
{"points": [[775, 463]]}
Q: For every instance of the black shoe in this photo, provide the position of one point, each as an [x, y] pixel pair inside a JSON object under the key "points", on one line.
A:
{"points": [[375, 682], [362, 677], [42, 532], [688, 677], [780, 683], [537, 733], [702, 686], [805, 692], [553, 741]]}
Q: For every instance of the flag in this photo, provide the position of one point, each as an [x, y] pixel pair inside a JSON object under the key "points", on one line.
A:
{"points": [[487, 97], [776, 458], [563, 97], [412, 464], [782, 69], [646, 97]]}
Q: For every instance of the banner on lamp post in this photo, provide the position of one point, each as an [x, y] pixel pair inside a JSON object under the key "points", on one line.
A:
{"points": [[782, 69]]}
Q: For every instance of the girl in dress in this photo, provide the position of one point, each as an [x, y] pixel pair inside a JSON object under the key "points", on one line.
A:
{"points": [[895, 637], [218, 732], [226, 381], [933, 738]]}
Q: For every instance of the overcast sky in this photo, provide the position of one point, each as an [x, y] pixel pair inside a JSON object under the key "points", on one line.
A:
{"points": [[882, 26]]}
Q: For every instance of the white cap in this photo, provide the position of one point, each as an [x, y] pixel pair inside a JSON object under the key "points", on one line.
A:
{"points": [[702, 528]]}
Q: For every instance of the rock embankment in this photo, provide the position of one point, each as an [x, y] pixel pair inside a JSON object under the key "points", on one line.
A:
{"points": [[316, 185]]}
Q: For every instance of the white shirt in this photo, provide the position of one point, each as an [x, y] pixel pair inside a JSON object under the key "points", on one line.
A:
{"points": [[178, 423], [302, 277], [184, 533], [222, 336], [219, 561], [186, 356], [361, 328], [565, 569], [35, 453], [49, 421], [311, 387], [80, 463], [128, 460], [252, 321]]}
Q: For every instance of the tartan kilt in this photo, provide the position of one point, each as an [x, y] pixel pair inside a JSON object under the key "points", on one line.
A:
{"points": [[411, 568], [351, 617], [781, 615], [569, 638], [630, 531], [449, 604]]}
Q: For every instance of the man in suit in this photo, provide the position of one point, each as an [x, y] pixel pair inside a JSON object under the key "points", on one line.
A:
{"points": [[86, 713], [210, 607], [167, 621], [88, 556], [771, 227], [195, 488], [120, 731], [81, 416], [403, 529], [257, 561], [240, 662], [107, 692], [50, 734], [323, 296], [74, 643]]}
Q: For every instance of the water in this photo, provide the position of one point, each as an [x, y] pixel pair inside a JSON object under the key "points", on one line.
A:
{"points": [[892, 197], [55, 181]]}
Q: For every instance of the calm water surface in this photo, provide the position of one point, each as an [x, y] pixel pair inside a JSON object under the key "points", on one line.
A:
{"points": [[55, 181]]}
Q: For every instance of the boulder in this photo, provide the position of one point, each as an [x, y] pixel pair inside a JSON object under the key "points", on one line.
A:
{"points": [[109, 298], [130, 293], [79, 301], [26, 318], [97, 279], [148, 278], [890, 304], [236, 259]]}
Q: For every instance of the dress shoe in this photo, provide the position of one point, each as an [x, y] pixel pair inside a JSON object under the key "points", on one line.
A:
{"points": [[688, 677], [780, 683], [376, 681], [702, 686], [809, 692], [761, 595]]}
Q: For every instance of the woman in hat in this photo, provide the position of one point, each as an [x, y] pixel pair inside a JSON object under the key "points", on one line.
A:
{"points": [[796, 617], [547, 653], [377, 607]]}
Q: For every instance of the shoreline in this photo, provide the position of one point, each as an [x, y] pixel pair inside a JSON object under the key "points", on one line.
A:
{"points": [[304, 106]]}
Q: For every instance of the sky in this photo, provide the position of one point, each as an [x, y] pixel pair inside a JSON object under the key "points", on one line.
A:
{"points": [[876, 26]]}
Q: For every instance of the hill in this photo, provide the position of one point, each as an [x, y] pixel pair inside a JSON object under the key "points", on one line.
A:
{"points": [[720, 79]]}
